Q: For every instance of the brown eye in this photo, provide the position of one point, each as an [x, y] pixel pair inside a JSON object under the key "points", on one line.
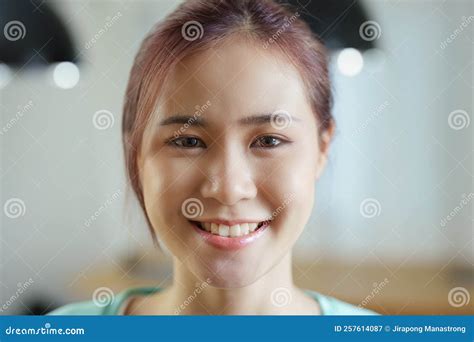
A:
{"points": [[187, 142], [267, 141]]}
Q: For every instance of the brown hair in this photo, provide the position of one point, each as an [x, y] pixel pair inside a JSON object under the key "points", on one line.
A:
{"points": [[198, 24]]}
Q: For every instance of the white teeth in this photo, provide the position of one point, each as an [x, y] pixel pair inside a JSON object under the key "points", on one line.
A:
{"points": [[235, 230], [229, 231], [224, 230], [244, 229]]}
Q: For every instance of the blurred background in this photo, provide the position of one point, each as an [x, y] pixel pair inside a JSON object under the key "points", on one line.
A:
{"points": [[392, 226]]}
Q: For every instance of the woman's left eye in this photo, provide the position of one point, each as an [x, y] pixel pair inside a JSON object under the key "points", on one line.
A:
{"points": [[267, 141], [187, 142]]}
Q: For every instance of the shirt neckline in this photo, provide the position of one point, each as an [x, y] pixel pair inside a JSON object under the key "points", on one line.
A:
{"points": [[118, 308]]}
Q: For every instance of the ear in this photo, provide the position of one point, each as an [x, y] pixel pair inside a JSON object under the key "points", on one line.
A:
{"points": [[325, 141]]}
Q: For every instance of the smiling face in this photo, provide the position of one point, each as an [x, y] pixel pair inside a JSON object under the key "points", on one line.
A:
{"points": [[222, 149]]}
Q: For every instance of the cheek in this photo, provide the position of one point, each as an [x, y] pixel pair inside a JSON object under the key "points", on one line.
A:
{"points": [[164, 180], [164, 185], [292, 195], [290, 184], [292, 173]]}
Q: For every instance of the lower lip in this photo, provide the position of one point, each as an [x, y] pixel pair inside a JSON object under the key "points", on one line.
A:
{"points": [[230, 243]]}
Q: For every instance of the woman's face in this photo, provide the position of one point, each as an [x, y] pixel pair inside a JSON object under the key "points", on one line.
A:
{"points": [[222, 149]]}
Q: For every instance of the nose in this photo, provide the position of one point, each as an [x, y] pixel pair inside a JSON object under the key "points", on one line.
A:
{"points": [[229, 178]]}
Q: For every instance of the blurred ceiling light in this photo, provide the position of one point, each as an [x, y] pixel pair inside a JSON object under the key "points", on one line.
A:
{"points": [[350, 62], [33, 34], [66, 75], [5, 75]]}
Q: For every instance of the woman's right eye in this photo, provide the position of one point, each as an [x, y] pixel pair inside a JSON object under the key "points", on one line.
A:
{"points": [[187, 142]]}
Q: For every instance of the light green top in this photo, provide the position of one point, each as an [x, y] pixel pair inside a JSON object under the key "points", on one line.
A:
{"points": [[328, 305]]}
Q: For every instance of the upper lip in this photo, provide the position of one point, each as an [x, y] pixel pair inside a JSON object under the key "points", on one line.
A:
{"points": [[231, 222]]}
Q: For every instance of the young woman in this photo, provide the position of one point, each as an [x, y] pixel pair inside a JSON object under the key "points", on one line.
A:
{"points": [[226, 129]]}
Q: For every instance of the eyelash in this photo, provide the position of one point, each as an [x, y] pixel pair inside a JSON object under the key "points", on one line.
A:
{"points": [[173, 142]]}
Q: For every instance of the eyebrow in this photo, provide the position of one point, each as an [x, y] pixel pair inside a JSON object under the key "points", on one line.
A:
{"points": [[257, 119]]}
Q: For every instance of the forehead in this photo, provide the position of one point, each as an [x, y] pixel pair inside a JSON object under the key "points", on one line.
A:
{"points": [[237, 77]]}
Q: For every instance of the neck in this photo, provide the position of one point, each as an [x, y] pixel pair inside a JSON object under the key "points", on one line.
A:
{"points": [[193, 297]]}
